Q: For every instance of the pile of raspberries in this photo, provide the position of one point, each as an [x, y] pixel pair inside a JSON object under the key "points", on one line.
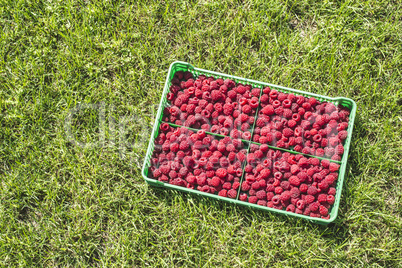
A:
{"points": [[302, 124], [282, 120], [192, 156], [283, 180], [197, 160], [215, 105]]}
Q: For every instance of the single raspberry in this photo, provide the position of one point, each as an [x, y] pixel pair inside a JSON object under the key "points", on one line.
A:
{"points": [[215, 182], [268, 110], [262, 195], [178, 182], [323, 185], [232, 193], [330, 199], [243, 197], [300, 204], [294, 180], [223, 193], [323, 211], [276, 200], [303, 188], [330, 179], [303, 162], [252, 199], [287, 132], [322, 198], [331, 191], [255, 185], [201, 180], [262, 203], [342, 135], [294, 192], [319, 152], [309, 199], [156, 173], [205, 189], [314, 206], [285, 196], [236, 185], [333, 167]]}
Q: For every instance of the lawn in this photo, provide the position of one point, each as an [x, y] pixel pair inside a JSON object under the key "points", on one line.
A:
{"points": [[79, 86]]}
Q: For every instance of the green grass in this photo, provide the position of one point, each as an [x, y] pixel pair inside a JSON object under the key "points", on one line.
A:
{"points": [[62, 204]]}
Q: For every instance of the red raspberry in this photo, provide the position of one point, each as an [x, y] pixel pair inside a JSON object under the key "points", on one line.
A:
{"points": [[303, 162], [265, 173], [285, 196], [331, 191], [262, 203], [270, 188], [201, 180], [294, 180], [164, 169], [295, 192], [232, 193], [215, 182], [287, 132], [292, 123], [330, 199], [243, 197], [319, 152], [323, 185], [156, 173], [303, 188], [178, 182], [309, 199], [276, 199], [191, 179], [252, 192], [262, 195], [241, 89], [342, 135], [312, 190], [300, 204], [236, 185], [268, 110], [256, 185], [270, 195], [322, 198], [252, 199], [291, 208], [333, 167], [323, 211], [285, 185], [330, 179], [183, 172], [325, 163], [227, 186], [205, 189], [223, 193], [256, 92], [278, 190], [314, 206], [245, 186], [232, 94], [339, 150]]}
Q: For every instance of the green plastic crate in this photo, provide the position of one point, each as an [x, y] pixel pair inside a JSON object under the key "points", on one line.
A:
{"points": [[183, 66]]}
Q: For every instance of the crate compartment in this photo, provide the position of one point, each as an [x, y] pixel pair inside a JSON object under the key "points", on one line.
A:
{"points": [[288, 181], [212, 104], [151, 162], [197, 160], [302, 124]]}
